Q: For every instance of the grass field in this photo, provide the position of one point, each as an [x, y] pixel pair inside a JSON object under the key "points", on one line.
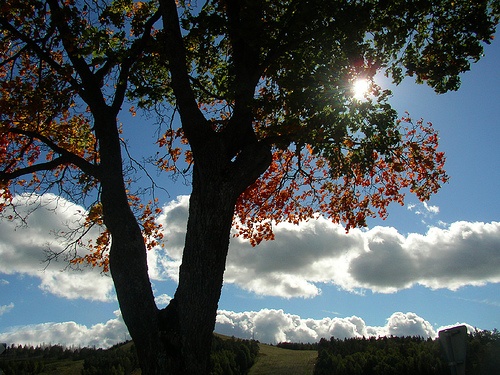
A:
{"points": [[276, 361], [63, 367]]}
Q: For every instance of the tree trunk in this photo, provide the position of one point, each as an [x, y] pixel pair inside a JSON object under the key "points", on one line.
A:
{"points": [[211, 208], [133, 288], [128, 263], [217, 183]]}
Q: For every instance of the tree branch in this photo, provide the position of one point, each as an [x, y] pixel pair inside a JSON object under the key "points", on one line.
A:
{"points": [[196, 127], [47, 166], [91, 91], [66, 156], [249, 165], [243, 23], [135, 51]]}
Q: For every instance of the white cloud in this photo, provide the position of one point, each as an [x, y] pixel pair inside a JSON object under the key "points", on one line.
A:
{"points": [[164, 263], [424, 209], [23, 248], [6, 308], [101, 335], [267, 326], [434, 210], [272, 326], [4, 282], [294, 265], [318, 251], [163, 299], [409, 324]]}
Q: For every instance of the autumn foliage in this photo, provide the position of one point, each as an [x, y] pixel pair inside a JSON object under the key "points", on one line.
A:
{"points": [[347, 174], [300, 185], [47, 139]]}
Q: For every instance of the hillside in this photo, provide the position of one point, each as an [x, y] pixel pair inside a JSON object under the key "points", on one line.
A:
{"points": [[271, 360], [277, 361]]}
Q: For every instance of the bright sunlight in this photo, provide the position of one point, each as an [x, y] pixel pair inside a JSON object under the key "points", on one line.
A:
{"points": [[360, 88]]}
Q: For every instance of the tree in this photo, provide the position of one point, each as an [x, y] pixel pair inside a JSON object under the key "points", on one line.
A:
{"points": [[268, 125]]}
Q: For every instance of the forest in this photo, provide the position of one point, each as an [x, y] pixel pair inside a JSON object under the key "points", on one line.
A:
{"points": [[229, 356], [405, 355]]}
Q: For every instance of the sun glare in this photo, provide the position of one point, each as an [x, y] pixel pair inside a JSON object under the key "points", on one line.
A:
{"points": [[360, 87]]}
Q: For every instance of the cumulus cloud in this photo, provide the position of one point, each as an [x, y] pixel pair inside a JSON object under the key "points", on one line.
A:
{"points": [[162, 300], [102, 335], [6, 308], [463, 254], [318, 251], [273, 326], [296, 264], [267, 326], [409, 324], [165, 264], [23, 248]]}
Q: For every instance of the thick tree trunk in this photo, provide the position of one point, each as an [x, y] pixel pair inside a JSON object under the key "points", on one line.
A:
{"points": [[133, 288], [217, 183], [218, 180], [211, 209]]}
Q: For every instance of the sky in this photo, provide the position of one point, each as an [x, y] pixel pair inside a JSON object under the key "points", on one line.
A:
{"points": [[426, 267]]}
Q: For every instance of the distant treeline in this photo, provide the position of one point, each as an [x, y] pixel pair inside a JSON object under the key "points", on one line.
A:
{"points": [[298, 345], [20, 360], [229, 356], [405, 355]]}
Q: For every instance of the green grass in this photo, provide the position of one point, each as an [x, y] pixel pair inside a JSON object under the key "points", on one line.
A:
{"points": [[276, 361], [63, 367]]}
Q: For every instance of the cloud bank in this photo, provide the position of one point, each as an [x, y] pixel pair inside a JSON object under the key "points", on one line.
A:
{"points": [[273, 326], [318, 251], [102, 335], [267, 326], [294, 265]]}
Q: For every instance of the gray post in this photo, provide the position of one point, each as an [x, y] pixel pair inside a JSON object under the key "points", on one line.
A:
{"points": [[454, 342]]}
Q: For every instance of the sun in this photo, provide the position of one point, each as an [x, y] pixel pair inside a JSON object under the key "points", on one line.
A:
{"points": [[360, 88]]}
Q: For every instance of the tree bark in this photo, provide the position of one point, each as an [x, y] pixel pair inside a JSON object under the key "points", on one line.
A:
{"points": [[211, 209], [217, 183], [128, 263]]}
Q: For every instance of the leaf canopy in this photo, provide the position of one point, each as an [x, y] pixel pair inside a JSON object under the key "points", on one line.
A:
{"points": [[286, 65]]}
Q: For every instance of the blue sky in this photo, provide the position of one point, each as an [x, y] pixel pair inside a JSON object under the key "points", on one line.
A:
{"points": [[426, 267]]}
